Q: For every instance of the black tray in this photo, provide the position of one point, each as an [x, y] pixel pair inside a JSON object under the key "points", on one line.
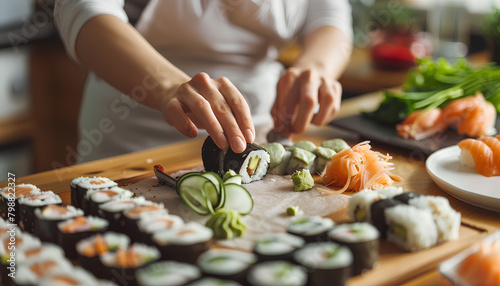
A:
{"points": [[376, 132]]}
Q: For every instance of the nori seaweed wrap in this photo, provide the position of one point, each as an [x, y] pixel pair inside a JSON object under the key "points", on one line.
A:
{"points": [[213, 157], [377, 210], [252, 164], [27, 207], [47, 218]]}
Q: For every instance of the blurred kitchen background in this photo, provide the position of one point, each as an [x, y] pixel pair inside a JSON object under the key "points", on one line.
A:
{"points": [[40, 87]]}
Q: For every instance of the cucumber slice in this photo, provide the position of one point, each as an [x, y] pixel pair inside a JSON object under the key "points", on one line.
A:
{"points": [[198, 192], [219, 184], [238, 199]]}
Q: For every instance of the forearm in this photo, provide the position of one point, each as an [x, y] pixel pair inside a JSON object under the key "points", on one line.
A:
{"points": [[326, 50], [118, 54]]}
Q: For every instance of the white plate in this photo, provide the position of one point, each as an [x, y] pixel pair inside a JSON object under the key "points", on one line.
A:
{"points": [[462, 182]]}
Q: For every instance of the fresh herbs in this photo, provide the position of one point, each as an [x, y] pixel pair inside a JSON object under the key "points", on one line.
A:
{"points": [[434, 84]]}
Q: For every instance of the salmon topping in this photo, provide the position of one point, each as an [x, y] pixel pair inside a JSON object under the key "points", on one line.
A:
{"points": [[185, 232], [33, 252], [43, 267], [139, 210], [108, 193], [23, 191], [6, 242], [55, 208], [78, 223], [64, 280], [127, 258], [97, 182]]}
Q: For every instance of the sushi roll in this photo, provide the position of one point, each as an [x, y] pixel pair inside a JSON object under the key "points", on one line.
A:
{"points": [[123, 264], [112, 210], [15, 242], [410, 228], [213, 157], [252, 164], [9, 198], [306, 145], [277, 273], [185, 243], [311, 229], [447, 220], [327, 263], [336, 144], [211, 281], [167, 273], [301, 159], [90, 249], [276, 152], [47, 218], [323, 156], [280, 169], [378, 214], [226, 264], [279, 246], [155, 223], [71, 231], [130, 217], [406, 197], [45, 250], [73, 276], [32, 272], [360, 202], [79, 187], [94, 198], [27, 208], [362, 239]]}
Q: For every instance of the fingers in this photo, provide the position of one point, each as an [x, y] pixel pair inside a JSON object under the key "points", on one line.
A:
{"points": [[329, 98], [284, 105], [309, 84], [215, 105]]}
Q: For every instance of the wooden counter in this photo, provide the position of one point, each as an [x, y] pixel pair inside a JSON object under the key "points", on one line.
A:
{"points": [[133, 167]]}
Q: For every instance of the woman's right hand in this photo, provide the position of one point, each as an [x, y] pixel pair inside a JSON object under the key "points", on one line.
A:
{"points": [[215, 105]]}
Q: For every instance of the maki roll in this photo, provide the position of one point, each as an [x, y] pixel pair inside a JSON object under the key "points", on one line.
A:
{"points": [[9, 197], [213, 157], [32, 272], [185, 243], [130, 217], [360, 203], [47, 218], [90, 249], [362, 239], [167, 273], [279, 246], [447, 220], [410, 228], [94, 198], [378, 214], [280, 169], [80, 186], [8, 246], [155, 223], [406, 197], [277, 273], [45, 250], [311, 229], [336, 144], [226, 264], [123, 264], [301, 159], [252, 164], [73, 230], [323, 156], [73, 276], [305, 145], [27, 208], [112, 210], [211, 281], [276, 152], [327, 263]]}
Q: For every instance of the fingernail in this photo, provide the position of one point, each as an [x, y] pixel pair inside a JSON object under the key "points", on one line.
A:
{"points": [[223, 144], [249, 136], [238, 144]]}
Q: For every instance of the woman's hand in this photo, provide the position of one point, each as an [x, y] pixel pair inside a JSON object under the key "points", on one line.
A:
{"points": [[212, 104], [298, 93]]}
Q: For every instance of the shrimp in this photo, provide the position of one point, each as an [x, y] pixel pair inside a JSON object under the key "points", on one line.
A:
{"points": [[421, 124]]}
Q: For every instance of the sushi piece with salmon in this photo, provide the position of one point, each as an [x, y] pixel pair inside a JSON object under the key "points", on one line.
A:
{"points": [[32, 272], [422, 124], [152, 224], [79, 187], [94, 198], [90, 249], [71, 231], [472, 116], [27, 207], [482, 267], [74, 276], [9, 198], [478, 154], [47, 218]]}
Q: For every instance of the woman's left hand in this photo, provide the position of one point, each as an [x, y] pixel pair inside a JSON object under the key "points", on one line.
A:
{"points": [[298, 93]]}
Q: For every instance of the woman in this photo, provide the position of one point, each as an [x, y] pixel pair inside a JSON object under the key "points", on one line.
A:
{"points": [[203, 64]]}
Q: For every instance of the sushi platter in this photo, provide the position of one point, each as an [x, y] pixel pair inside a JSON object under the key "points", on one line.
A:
{"points": [[151, 225]]}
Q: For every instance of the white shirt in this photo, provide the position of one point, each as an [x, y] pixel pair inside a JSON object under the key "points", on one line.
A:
{"points": [[238, 39]]}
